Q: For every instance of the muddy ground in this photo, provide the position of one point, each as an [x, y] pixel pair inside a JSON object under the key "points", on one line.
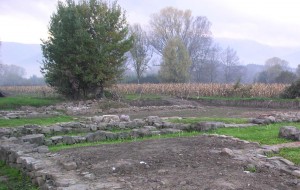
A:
{"points": [[178, 163]]}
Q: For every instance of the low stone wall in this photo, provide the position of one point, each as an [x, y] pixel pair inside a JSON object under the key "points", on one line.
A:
{"points": [[24, 147]]}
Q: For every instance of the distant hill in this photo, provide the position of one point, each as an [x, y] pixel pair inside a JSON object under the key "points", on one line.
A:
{"points": [[29, 56], [252, 52]]}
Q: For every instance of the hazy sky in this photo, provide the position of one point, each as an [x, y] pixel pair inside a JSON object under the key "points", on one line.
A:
{"points": [[272, 22]]}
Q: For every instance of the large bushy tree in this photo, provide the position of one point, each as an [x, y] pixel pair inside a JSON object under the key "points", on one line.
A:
{"points": [[85, 49], [176, 62], [194, 32]]}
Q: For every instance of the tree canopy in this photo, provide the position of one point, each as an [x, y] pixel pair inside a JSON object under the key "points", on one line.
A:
{"points": [[276, 71], [85, 49], [176, 62]]}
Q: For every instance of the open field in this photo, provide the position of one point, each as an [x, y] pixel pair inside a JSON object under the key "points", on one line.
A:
{"points": [[175, 160]]}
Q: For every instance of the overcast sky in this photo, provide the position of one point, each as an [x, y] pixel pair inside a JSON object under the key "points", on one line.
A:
{"points": [[272, 22]]}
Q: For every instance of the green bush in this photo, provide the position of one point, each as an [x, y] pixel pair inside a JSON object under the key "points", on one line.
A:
{"points": [[292, 91]]}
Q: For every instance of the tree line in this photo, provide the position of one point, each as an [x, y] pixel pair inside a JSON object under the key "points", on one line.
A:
{"points": [[186, 47], [90, 43], [189, 54]]}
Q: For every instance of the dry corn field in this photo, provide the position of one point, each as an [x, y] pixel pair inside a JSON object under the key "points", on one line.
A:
{"points": [[203, 90], [178, 90], [39, 91]]}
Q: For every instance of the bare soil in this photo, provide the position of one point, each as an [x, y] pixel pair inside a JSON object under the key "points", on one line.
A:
{"points": [[177, 163]]}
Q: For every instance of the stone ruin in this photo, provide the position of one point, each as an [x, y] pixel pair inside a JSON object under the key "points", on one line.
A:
{"points": [[26, 147]]}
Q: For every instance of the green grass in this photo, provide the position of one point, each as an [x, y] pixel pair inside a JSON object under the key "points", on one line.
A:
{"points": [[292, 154], [14, 179], [132, 97], [11, 103], [263, 134], [37, 121], [55, 148], [193, 120]]}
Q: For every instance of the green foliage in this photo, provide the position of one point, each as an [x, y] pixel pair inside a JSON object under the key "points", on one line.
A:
{"points": [[251, 168], [286, 77], [176, 62], [10, 103], [292, 91], [275, 72], [86, 47], [36, 121], [14, 179], [204, 119]]}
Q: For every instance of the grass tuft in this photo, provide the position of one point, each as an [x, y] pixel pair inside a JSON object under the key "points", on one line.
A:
{"points": [[292, 154], [36, 121], [263, 134]]}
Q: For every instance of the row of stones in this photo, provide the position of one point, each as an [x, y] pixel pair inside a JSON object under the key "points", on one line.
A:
{"points": [[27, 114], [106, 122], [258, 158], [157, 128], [40, 165]]}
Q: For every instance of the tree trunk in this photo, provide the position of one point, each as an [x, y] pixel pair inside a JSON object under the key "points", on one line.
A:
{"points": [[100, 91]]}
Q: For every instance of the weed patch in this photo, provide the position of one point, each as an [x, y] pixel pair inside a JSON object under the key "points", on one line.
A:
{"points": [[13, 179]]}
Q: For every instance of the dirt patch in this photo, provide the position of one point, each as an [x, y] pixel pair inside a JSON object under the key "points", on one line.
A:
{"points": [[178, 163]]}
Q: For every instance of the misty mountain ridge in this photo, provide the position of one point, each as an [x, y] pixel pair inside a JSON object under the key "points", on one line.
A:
{"points": [[251, 53]]}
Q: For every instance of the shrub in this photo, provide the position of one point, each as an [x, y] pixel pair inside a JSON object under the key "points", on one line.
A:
{"points": [[292, 91]]}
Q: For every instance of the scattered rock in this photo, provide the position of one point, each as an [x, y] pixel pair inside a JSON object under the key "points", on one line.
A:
{"points": [[125, 118], [153, 119], [34, 139], [68, 140], [110, 118], [43, 149], [289, 132], [296, 173], [206, 126], [227, 152], [69, 165]]}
